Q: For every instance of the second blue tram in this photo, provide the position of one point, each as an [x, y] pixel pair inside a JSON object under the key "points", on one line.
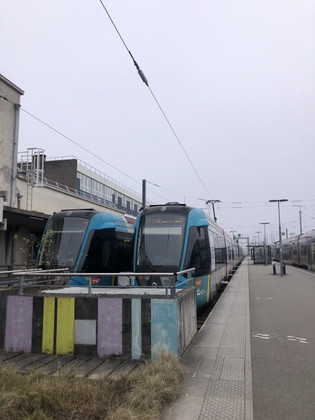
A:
{"points": [[174, 237]]}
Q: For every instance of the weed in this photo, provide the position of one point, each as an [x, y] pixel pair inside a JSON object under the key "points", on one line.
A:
{"points": [[141, 395]]}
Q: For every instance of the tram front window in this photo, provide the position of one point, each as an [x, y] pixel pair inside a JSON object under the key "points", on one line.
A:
{"points": [[160, 242], [62, 242]]}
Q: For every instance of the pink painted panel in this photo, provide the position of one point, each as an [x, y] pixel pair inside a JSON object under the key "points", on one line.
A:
{"points": [[109, 327], [18, 327]]}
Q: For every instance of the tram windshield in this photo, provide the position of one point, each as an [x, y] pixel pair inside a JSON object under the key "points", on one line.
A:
{"points": [[62, 242], [160, 242]]}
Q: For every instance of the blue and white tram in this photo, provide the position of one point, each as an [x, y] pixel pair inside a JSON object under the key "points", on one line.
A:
{"points": [[87, 241], [174, 237]]}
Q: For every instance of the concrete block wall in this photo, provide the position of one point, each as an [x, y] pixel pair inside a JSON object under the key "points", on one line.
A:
{"points": [[133, 327]]}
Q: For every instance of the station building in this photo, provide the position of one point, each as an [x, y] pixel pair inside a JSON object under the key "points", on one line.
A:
{"points": [[33, 187]]}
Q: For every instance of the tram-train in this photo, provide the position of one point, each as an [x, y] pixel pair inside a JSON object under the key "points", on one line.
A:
{"points": [[174, 237], [164, 239], [298, 250], [87, 241]]}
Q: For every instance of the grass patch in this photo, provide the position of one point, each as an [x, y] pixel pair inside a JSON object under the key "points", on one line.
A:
{"points": [[143, 394]]}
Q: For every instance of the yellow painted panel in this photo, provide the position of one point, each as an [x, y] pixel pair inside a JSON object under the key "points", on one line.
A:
{"points": [[65, 326], [48, 325]]}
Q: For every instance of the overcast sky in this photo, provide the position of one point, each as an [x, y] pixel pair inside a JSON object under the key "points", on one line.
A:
{"points": [[235, 78]]}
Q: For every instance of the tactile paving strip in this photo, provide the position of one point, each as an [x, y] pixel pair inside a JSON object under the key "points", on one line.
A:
{"points": [[225, 393]]}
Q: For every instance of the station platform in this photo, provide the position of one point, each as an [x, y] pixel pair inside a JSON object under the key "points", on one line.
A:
{"points": [[254, 356]]}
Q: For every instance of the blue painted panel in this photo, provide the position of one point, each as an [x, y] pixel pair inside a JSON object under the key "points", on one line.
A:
{"points": [[136, 329], [164, 327]]}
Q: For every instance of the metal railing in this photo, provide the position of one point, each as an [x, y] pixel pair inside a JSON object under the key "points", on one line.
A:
{"points": [[17, 277], [44, 278]]}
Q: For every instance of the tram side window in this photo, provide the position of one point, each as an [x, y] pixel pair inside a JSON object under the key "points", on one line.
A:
{"points": [[220, 251], [107, 251], [198, 251]]}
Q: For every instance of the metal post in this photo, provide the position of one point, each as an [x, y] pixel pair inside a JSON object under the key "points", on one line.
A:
{"points": [[258, 237], [265, 248], [21, 282], [173, 286], [280, 242], [300, 215], [280, 236], [144, 198]]}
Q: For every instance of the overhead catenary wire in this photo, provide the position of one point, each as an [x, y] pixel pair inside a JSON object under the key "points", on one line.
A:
{"points": [[294, 222], [72, 141], [79, 145], [145, 81], [49, 126]]}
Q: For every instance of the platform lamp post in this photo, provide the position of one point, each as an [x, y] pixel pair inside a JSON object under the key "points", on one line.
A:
{"points": [[213, 203], [280, 235], [265, 249]]}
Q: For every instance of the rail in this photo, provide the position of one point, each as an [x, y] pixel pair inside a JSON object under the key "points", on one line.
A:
{"points": [[34, 275]]}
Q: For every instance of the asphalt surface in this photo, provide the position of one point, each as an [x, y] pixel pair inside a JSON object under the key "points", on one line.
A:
{"points": [[282, 326]]}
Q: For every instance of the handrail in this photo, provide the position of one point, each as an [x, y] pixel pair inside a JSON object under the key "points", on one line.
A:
{"points": [[32, 270], [51, 273]]}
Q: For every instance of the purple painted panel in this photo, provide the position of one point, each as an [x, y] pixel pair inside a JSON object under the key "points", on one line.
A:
{"points": [[109, 326], [18, 328]]}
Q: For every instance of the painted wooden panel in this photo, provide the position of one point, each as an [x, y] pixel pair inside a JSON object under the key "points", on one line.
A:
{"points": [[18, 331], [136, 328], [164, 327], [65, 326], [48, 325], [109, 331], [85, 331]]}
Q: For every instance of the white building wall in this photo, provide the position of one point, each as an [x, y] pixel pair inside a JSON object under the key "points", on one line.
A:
{"points": [[8, 114], [49, 200]]}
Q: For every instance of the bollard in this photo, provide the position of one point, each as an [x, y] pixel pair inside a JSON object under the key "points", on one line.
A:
{"points": [[274, 268], [284, 269]]}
